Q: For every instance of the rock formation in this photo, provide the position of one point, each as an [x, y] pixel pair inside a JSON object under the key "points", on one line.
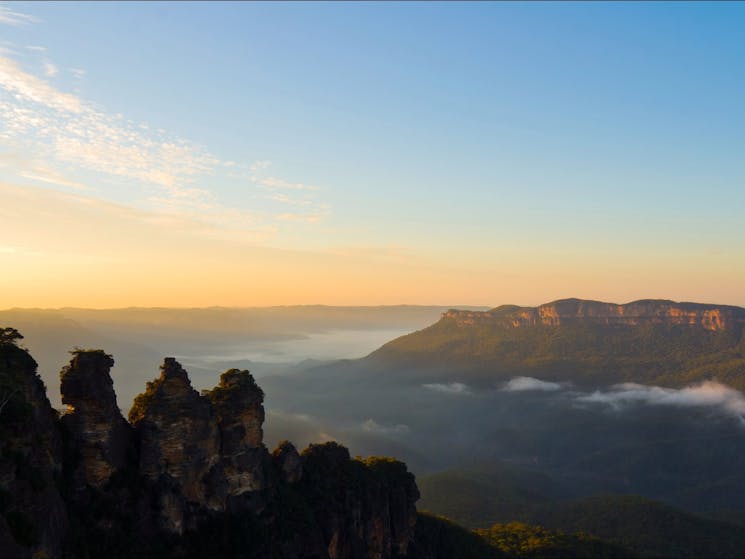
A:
{"points": [[373, 517], [179, 442], [588, 342], [33, 518], [647, 311], [289, 462], [187, 477], [99, 433], [238, 404]]}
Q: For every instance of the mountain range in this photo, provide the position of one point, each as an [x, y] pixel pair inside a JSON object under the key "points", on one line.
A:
{"points": [[527, 424], [587, 342]]}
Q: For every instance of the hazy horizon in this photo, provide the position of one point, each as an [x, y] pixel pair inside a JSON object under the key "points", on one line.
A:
{"points": [[361, 306]]}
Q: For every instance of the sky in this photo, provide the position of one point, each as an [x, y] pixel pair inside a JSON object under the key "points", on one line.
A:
{"points": [[250, 154]]}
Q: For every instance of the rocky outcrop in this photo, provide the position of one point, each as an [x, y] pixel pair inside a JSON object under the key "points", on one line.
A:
{"points": [[187, 476], [101, 437], [179, 443], [648, 311], [288, 462], [364, 508], [238, 405], [33, 516]]}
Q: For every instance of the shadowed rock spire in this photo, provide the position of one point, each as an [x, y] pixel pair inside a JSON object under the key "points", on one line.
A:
{"points": [[237, 401], [179, 440], [93, 420]]}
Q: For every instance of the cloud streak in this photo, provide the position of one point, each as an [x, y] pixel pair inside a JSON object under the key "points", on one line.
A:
{"points": [[524, 384], [707, 394], [28, 89], [274, 183], [151, 168], [75, 132], [371, 426], [8, 16], [457, 388]]}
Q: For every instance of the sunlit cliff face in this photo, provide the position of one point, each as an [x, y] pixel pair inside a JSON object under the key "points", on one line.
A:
{"points": [[708, 317]]}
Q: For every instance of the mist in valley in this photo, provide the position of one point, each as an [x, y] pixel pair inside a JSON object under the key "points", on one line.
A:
{"points": [[664, 443]]}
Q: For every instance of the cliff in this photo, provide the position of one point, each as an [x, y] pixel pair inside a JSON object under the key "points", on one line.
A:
{"points": [[648, 341], [33, 516], [187, 476], [101, 437], [638, 313]]}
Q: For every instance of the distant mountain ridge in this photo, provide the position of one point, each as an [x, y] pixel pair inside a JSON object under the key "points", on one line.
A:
{"points": [[647, 341], [636, 313]]}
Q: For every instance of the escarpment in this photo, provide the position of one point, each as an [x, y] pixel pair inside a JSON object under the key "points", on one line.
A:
{"points": [[187, 476], [567, 311], [588, 342]]}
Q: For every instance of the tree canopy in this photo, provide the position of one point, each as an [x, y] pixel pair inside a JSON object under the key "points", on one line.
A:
{"points": [[9, 336]]}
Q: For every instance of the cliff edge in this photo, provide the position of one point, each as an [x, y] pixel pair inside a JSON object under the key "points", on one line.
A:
{"points": [[187, 476]]}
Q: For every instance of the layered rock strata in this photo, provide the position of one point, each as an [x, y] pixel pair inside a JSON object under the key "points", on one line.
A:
{"points": [[648, 311]]}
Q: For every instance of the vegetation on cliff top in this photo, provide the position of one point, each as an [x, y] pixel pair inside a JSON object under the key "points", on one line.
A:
{"points": [[234, 383], [670, 355]]}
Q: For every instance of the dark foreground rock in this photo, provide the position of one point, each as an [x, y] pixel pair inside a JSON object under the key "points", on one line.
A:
{"points": [[187, 476]]}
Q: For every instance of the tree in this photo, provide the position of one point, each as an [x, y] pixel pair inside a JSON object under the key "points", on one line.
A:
{"points": [[9, 336]]}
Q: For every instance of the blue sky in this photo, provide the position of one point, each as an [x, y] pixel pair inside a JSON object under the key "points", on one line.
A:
{"points": [[454, 133]]}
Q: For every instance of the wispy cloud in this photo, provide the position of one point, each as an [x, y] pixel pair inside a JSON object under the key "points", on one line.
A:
{"points": [[50, 70], [301, 196], [56, 206], [371, 426], [523, 384], [71, 131], [707, 394], [78, 73], [285, 199], [32, 169], [8, 16], [259, 165], [52, 177], [28, 88], [274, 183], [160, 170], [450, 388]]}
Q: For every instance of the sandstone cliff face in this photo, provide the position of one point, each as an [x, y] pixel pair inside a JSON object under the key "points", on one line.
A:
{"points": [[238, 404], [33, 518], [709, 317], [98, 432], [179, 442]]}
